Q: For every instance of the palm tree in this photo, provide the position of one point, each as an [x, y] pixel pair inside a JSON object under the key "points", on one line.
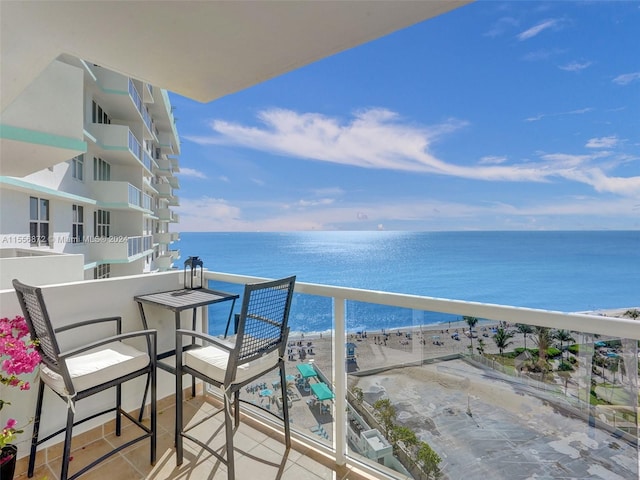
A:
{"points": [[471, 321], [525, 330], [502, 338], [563, 336], [543, 341]]}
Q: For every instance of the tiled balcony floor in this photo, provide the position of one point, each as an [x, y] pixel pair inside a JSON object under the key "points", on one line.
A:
{"points": [[260, 454]]}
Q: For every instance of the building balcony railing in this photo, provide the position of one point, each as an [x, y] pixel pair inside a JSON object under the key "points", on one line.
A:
{"points": [[139, 245], [464, 406], [120, 144], [166, 215], [165, 238], [120, 195], [164, 189]]}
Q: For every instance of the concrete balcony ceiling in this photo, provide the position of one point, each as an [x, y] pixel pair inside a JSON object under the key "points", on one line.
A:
{"points": [[202, 50]]}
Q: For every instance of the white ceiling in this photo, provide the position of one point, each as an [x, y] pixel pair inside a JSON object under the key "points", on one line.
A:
{"points": [[200, 49]]}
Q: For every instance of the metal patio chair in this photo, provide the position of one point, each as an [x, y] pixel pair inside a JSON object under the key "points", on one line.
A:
{"points": [[259, 348], [80, 372]]}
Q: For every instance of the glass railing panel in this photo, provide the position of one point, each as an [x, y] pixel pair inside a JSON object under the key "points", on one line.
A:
{"points": [[135, 96], [308, 364], [134, 146], [448, 389], [549, 411], [146, 160], [147, 201], [134, 195]]}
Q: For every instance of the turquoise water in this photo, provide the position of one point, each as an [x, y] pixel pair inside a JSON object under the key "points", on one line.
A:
{"points": [[567, 271]]}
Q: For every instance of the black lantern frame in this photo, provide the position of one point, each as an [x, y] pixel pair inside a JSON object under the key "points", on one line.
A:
{"points": [[193, 281]]}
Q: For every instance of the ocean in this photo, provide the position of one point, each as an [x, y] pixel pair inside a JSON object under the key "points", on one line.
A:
{"points": [[559, 270]]}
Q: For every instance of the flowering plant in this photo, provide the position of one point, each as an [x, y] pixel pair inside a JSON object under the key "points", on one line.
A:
{"points": [[18, 355]]}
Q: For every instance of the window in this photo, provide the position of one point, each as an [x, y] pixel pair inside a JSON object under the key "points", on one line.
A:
{"points": [[101, 170], [39, 221], [77, 224], [77, 167], [98, 115], [102, 271], [101, 223]]}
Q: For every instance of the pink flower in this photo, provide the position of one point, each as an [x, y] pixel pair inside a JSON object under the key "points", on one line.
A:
{"points": [[19, 355]]}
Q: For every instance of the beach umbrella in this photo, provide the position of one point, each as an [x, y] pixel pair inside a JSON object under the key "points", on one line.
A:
{"points": [[322, 391], [306, 370]]}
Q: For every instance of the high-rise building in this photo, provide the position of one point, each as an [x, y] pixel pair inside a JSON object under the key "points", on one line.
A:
{"points": [[108, 147]]}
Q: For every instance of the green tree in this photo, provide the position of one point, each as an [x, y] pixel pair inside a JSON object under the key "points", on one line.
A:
{"points": [[403, 434], [525, 330], [502, 338], [480, 347], [358, 394], [543, 341], [633, 313], [428, 460], [385, 413], [563, 336], [471, 321]]}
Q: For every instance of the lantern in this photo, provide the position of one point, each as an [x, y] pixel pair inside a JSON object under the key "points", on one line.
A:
{"points": [[192, 280]]}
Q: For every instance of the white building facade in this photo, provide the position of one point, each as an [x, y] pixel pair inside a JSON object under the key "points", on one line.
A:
{"points": [[110, 197]]}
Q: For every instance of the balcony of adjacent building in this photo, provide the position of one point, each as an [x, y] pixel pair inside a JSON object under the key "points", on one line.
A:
{"points": [[114, 249], [166, 238], [165, 260], [473, 413], [123, 96], [44, 137], [119, 145], [119, 195], [167, 215]]}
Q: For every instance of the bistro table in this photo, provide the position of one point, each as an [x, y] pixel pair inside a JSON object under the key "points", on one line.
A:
{"points": [[177, 301]]}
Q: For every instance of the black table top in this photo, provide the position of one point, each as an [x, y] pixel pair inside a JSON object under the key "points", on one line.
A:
{"points": [[184, 299]]}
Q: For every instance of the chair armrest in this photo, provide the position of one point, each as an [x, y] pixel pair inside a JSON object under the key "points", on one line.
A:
{"points": [[149, 334], [85, 323], [225, 345]]}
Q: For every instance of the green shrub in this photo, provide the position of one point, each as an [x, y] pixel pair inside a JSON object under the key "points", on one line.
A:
{"points": [[574, 348], [565, 367], [553, 352]]}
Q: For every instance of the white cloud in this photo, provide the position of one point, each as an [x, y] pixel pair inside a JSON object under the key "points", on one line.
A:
{"points": [[380, 139], [501, 26], [537, 29], [627, 78], [209, 214], [579, 111], [190, 172], [575, 66], [603, 142], [492, 160]]}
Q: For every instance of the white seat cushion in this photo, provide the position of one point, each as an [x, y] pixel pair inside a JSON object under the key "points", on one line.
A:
{"points": [[97, 366], [212, 362]]}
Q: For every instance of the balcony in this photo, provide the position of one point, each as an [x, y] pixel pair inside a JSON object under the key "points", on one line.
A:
{"points": [[116, 195], [118, 248], [164, 189], [120, 145], [483, 416]]}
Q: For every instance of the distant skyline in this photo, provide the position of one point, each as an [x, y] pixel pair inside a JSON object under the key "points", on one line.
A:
{"points": [[494, 116]]}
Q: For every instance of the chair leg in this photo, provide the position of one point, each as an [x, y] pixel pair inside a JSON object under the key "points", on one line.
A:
{"points": [[178, 440], [36, 430], [285, 406], [118, 410], [154, 414], [236, 408], [66, 453], [228, 424]]}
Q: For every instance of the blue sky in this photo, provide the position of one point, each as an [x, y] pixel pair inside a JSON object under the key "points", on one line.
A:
{"points": [[494, 116]]}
